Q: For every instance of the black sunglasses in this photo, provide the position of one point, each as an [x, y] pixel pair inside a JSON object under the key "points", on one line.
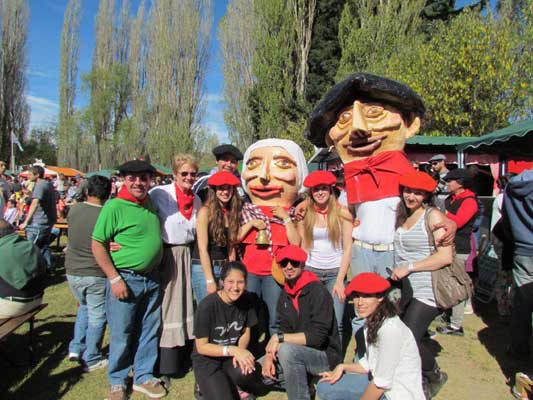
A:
{"points": [[285, 262], [191, 174]]}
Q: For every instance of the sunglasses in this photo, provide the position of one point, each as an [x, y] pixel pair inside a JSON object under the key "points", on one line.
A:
{"points": [[295, 264], [434, 162], [142, 178], [185, 173]]}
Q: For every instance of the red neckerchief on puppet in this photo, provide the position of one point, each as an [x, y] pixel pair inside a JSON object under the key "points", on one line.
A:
{"points": [[125, 195], [294, 292], [185, 202], [375, 177]]}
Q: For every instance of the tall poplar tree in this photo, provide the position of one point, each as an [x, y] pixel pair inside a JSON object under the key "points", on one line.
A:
{"points": [[178, 39], [14, 110], [69, 140], [237, 44]]}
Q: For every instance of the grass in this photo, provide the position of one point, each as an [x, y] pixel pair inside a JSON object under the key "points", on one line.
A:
{"points": [[476, 364]]}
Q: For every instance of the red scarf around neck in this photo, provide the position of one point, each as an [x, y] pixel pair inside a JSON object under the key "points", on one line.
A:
{"points": [[125, 195], [185, 202], [294, 292], [376, 177]]}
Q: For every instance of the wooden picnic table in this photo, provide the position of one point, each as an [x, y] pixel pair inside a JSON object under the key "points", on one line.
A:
{"points": [[61, 224]]}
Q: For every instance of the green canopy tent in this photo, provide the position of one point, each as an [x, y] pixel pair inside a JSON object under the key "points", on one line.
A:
{"points": [[103, 172], [162, 170]]}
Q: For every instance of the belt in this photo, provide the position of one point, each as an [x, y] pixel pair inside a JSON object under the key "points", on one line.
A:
{"points": [[22, 299], [374, 247], [131, 272]]}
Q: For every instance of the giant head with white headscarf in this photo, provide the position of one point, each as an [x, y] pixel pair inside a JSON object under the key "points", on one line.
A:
{"points": [[273, 172]]}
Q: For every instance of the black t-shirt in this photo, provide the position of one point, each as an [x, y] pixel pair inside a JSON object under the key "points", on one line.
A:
{"points": [[223, 324]]}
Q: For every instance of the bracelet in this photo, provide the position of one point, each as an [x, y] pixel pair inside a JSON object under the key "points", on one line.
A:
{"points": [[115, 279], [225, 351], [208, 281], [411, 267], [287, 220]]}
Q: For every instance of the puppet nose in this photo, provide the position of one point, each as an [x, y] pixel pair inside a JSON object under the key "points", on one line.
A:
{"points": [[358, 118]]}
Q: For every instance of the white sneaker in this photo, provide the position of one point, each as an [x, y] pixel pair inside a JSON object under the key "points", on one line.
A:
{"points": [[73, 357], [98, 365], [469, 310]]}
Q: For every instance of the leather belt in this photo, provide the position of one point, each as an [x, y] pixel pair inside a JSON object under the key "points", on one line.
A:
{"points": [[374, 247], [22, 299]]}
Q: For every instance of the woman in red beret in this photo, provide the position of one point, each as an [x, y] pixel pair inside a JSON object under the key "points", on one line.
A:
{"points": [[415, 257], [217, 229], [327, 237], [391, 352]]}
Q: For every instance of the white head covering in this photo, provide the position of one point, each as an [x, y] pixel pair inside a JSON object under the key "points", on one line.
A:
{"points": [[292, 148]]}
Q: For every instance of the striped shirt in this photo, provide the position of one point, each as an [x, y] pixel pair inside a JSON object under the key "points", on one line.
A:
{"points": [[411, 245]]}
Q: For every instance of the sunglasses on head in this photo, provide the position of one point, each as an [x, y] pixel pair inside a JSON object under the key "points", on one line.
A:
{"points": [[295, 264], [185, 173]]}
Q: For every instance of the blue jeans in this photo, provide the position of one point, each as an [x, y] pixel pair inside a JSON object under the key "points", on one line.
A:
{"points": [[133, 329], [39, 235], [297, 363], [367, 260], [349, 387], [268, 290], [199, 286], [522, 304], [90, 320], [328, 277]]}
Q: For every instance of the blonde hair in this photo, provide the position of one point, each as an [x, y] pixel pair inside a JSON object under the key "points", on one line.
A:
{"points": [[334, 219], [182, 159]]}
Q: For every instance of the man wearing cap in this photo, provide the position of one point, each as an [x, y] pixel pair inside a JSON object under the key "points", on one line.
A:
{"points": [[227, 159], [307, 342], [462, 208], [367, 119], [133, 291], [438, 166]]}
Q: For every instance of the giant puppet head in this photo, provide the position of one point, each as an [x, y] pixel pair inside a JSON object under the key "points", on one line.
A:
{"points": [[273, 172], [365, 115]]}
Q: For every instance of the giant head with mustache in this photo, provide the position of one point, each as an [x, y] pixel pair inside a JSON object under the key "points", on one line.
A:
{"points": [[368, 118]]}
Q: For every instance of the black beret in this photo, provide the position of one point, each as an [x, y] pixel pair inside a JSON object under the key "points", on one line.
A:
{"points": [[227, 148], [136, 167], [363, 86], [459, 173]]}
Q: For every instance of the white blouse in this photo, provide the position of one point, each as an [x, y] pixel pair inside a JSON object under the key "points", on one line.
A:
{"points": [[175, 228], [394, 361]]}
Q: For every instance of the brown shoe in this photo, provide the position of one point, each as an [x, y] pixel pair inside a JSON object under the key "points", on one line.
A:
{"points": [[152, 388], [117, 392]]}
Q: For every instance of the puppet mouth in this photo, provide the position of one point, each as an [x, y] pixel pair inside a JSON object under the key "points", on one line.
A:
{"points": [[265, 192], [363, 145]]}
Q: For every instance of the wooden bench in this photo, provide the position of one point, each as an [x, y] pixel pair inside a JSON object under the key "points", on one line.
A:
{"points": [[10, 325]]}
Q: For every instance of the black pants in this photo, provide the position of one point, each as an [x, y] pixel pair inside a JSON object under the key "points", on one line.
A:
{"points": [[521, 319], [418, 317], [222, 383]]}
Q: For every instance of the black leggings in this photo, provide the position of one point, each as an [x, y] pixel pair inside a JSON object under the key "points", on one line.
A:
{"points": [[222, 383], [418, 317]]}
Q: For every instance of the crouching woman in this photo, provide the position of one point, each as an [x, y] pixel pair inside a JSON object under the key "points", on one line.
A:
{"points": [[391, 367], [222, 324]]}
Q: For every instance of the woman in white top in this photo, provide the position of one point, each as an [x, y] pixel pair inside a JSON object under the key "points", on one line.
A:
{"points": [[327, 237], [176, 207], [390, 367], [415, 258]]}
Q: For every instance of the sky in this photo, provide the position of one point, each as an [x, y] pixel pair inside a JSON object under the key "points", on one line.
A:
{"points": [[46, 21]]}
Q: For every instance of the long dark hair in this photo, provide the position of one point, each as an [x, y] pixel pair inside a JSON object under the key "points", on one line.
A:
{"points": [[402, 213], [374, 321], [217, 226]]}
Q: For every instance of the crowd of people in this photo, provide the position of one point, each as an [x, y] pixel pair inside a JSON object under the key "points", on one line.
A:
{"points": [[243, 277]]}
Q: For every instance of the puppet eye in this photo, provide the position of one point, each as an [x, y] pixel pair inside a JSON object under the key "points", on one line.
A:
{"points": [[374, 111], [253, 163], [345, 117], [284, 163]]}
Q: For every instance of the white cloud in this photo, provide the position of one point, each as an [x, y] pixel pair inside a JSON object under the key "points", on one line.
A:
{"points": [[43, 110], [37, 73]]}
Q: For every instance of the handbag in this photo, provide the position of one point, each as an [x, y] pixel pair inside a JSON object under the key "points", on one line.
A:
{"points": [[277, 274], [451, 284]]}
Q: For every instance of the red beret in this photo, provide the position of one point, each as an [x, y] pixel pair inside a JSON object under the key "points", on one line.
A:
{"points": [[291, 252], [367, 283], [223, 178], [418, 180], [319, 178]]}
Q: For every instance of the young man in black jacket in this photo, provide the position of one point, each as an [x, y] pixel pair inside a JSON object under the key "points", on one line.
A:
{"points": [[307, 341]]}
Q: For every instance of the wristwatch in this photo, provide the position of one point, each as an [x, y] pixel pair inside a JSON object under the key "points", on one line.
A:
{"points": [[281, 337]]}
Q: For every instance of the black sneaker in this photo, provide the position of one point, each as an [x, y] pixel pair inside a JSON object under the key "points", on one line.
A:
{"points": [[436, 384], [450, 330]]}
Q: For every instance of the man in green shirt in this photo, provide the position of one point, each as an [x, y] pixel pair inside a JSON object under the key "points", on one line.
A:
{"points": [[133, 294]]}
